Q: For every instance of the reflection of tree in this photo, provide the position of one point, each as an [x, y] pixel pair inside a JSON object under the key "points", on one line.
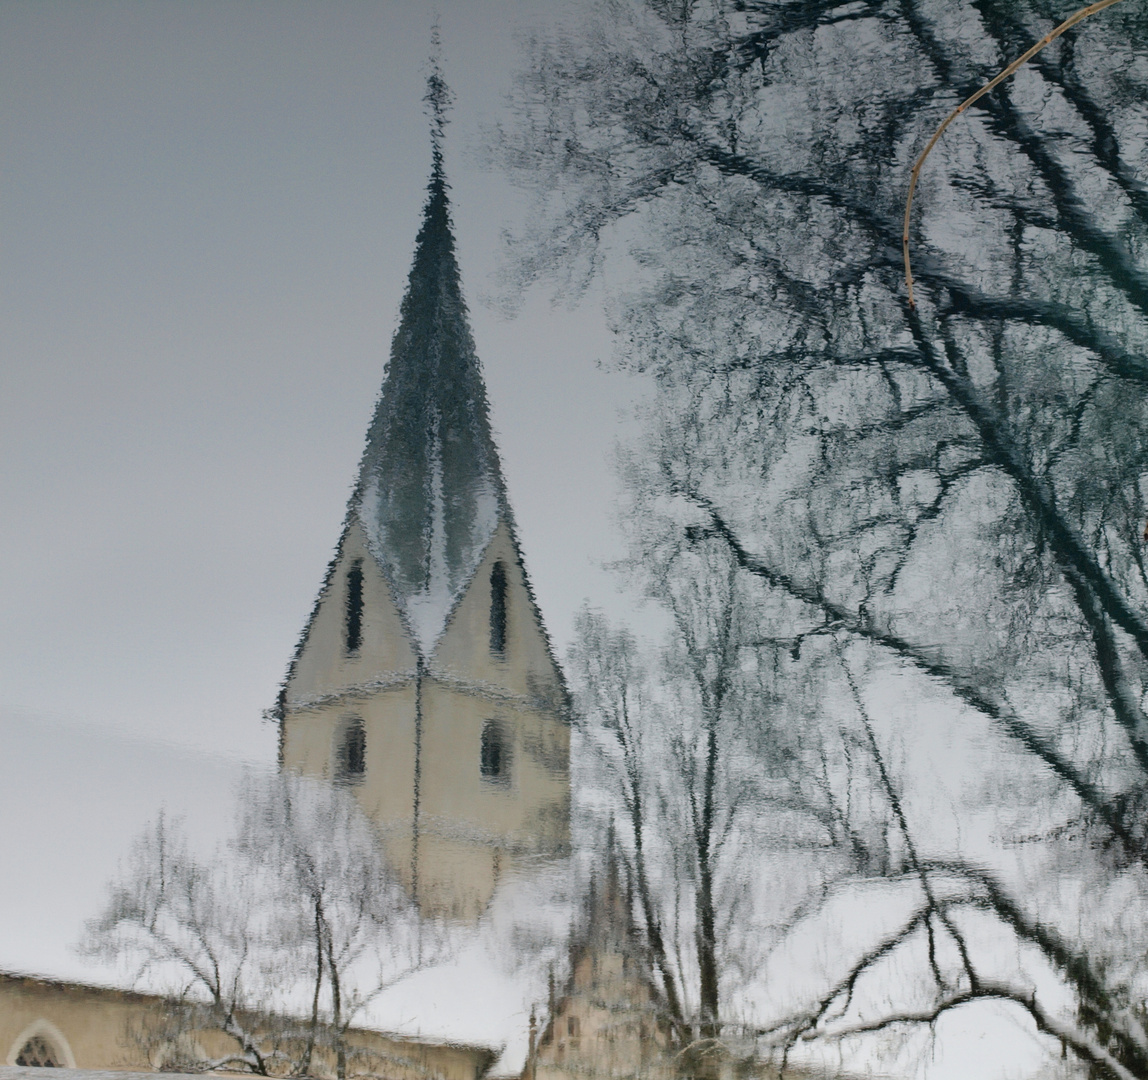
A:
{"points": [[954, 493], [300, 912], [612, 681], [693, 744]]}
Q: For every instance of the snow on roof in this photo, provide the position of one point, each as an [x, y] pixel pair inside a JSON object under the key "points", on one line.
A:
{"points": [[73, 798]]}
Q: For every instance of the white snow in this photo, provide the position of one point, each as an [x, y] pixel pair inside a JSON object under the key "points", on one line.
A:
{"points": [[428, 610]]}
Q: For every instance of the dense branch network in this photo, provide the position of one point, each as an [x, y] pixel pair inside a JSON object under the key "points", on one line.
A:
{"points": [[957, 490]]}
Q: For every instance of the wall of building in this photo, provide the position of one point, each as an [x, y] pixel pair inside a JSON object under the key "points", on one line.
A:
{"points": [[94, 1028], [87, 1025], [454, 837]]}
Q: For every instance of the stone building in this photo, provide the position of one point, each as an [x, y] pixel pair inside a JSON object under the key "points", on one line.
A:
{"points": [[424, 677], [44, 1022], [606, 1023]]}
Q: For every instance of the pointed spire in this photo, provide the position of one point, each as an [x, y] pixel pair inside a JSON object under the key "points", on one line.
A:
{"points": [[430, 492], [439, 99]]}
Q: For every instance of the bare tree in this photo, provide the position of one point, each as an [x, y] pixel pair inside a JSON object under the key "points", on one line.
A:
{"points": [[718, 779], [612, 711], [191, 924], [955, 492], [332, 887], [299, 912]]}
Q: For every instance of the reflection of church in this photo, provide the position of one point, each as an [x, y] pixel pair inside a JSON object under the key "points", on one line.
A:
{"points": [[607, 1022], [424, 681], [424, 677]]}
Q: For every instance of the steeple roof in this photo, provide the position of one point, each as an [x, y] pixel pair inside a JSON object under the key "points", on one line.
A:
{"points": [[430, 491]]}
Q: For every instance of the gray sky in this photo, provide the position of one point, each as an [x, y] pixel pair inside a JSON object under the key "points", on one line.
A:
{"points": [[207, 215]]}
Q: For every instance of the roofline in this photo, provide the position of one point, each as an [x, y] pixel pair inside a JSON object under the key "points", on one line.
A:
{"points": [[48, 983]]}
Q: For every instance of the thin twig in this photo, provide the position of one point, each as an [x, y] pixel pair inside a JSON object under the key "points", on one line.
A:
{"points": [[1052, 35]]}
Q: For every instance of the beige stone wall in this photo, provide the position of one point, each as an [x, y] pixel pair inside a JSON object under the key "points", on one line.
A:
{"points": [[91, 1028], [470, 829], [323, 666], [526, 667], [606, 1025], [310, 739], [87, 1025]]}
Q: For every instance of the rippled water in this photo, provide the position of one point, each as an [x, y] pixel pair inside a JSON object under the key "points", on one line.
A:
{"points": [[850, 777]]}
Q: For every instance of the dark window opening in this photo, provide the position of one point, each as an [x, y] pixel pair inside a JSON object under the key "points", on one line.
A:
{"points": [[572, 1026], [351, 757], [355, 607], [494, 753], [498, 609], [38, 1052]]}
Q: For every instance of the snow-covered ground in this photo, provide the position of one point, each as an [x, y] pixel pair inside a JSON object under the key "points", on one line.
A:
{"points": [[72, 800]]}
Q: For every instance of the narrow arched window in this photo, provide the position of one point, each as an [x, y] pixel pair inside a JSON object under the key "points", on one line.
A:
{"points": [[351, 752], [498, 609], [494, 753], [354, 634], [38, 1051]]}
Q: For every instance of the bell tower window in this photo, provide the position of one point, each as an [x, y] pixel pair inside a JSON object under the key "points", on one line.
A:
{"points": [[498, 609], [354, 627], [351, 752], [494, 753]]}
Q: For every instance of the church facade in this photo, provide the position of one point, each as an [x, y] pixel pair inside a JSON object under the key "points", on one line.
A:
{"points": [[424, 678]]}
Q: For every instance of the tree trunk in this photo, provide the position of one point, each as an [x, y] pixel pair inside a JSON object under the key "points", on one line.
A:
{"points": [[707, 935], [653, 928], [304, 1067]]}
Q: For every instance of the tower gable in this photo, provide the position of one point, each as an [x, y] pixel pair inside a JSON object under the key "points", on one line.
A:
{"points": [[499, 642], [356, 637]]}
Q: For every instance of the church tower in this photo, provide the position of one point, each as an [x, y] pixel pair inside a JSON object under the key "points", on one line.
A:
{"points": [[424, 678]]}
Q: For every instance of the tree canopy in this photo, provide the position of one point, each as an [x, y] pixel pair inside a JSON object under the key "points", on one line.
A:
{"points": [[946, 502]]}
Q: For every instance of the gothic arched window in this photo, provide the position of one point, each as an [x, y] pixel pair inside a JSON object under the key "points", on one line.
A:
{"points": [[354, 634], [351, 752], [498, 609], [40, 1045], [494, 753], [38, 1051]]}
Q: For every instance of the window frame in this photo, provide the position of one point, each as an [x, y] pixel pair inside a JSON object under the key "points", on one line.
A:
{"points": [[499, 594], [494, 753], [53, 1037], [350, 728], [353, 609]]}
